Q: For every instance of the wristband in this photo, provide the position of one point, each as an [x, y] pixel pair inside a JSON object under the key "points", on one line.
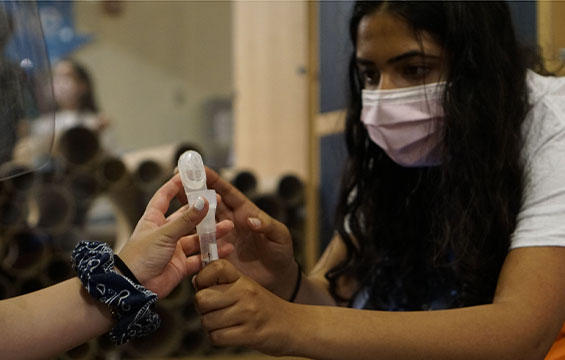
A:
{"points": [[130, 302], [297, 286], [121, 265]]}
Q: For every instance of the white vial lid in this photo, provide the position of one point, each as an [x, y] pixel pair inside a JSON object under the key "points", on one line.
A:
{"points": [[192, 172]]}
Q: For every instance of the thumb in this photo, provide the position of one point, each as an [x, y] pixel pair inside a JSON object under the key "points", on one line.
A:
{"points": [[186, 223], [216, 273], [264, 224]]}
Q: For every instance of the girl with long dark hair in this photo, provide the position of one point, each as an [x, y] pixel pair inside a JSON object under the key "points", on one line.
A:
{"points": [[453, 200], [73, 87], [75, 106], [75, 98]]}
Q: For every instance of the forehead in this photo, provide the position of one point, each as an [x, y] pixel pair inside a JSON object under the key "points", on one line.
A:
{"points": [[64, 68], [383, 35]]}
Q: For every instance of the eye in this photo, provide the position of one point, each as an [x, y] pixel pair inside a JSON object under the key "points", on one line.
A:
{"points": [[416, 71], [370, 77]]}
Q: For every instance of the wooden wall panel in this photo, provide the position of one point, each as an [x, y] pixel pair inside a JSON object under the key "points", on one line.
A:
{"points": [[271, 84]]}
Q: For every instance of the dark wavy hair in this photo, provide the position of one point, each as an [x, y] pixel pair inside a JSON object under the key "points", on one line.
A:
{"points": [[416, 235], [87, 100]]}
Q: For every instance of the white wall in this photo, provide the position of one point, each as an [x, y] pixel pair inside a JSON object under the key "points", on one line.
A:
{"points": [[155, 64]]}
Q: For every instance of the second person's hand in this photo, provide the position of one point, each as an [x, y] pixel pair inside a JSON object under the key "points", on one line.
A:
{"points": [[263, 245], [237, 311]]}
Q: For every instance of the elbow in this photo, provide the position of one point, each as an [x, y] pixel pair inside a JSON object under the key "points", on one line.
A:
{"points": [[530, 345], [540, 348]]}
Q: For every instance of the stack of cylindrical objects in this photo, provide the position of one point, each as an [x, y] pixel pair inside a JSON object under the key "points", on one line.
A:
{"points": [[283, 199]]}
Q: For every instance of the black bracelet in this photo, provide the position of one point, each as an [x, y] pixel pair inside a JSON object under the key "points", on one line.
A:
{"points": [[297, 286], [121, 265]]}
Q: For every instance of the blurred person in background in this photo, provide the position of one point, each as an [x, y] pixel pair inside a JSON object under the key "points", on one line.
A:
{"points": [[76, 104], [74, 95]]}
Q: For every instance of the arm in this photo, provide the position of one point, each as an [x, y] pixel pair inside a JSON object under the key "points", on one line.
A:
{"points": [[53, 320], [521, 323]]}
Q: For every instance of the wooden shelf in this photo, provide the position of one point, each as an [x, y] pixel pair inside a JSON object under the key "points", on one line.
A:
{"points": [[330, 123]]}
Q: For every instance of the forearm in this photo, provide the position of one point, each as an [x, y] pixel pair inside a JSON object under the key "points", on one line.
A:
{"points": [[51, 321], [482, 332]]}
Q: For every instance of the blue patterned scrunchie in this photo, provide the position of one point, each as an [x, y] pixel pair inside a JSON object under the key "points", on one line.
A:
{"points": [[130, 302]]}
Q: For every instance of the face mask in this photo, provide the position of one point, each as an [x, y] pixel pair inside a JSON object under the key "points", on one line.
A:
{"points": [[406, 123]]}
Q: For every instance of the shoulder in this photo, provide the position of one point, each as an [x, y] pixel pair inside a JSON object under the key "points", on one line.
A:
{"points": [[544, 125], [547, 100], [541, 220]]}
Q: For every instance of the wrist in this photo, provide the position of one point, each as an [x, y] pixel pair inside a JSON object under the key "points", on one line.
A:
{"points": [[288, 286], [130, 302], [132, 266], [297, 285], [105, 310], [121, 268]]}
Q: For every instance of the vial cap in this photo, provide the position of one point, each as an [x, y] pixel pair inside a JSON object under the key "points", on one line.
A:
{"points": [[191, 169]]}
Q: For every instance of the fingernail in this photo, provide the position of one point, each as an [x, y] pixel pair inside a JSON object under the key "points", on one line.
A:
{"points": [[199, 203], [255, 222]]}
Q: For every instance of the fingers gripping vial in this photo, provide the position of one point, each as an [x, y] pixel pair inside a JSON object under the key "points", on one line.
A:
{"points": [[193, 176]]}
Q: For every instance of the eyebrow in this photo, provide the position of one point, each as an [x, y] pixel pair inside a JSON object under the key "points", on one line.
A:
{"points": [[398, 58]]}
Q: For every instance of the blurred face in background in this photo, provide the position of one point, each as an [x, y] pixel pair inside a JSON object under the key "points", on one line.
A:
{"points": [[68, 88]]}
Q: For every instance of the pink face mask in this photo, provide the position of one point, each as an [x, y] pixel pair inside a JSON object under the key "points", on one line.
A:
{"points": [[406, 123]]}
